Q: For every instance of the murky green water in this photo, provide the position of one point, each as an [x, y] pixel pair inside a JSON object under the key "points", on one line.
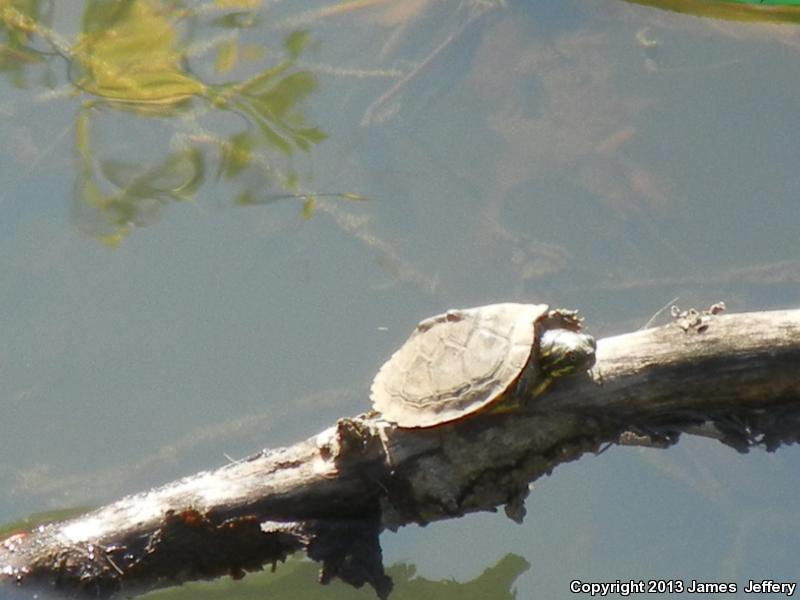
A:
{"points": [[216, 223]]}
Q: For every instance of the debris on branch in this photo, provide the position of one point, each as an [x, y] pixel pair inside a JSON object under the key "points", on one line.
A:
{"points": [[733, 377]]}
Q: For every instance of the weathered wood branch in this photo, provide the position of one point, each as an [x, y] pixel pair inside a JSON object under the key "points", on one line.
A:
{"points": [[735, 377]]}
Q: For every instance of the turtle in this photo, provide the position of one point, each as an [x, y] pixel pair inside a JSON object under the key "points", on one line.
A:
{"points": [[485, 359]]}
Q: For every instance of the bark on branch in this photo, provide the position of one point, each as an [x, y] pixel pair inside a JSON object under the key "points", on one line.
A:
{"points": [[734, 377]]}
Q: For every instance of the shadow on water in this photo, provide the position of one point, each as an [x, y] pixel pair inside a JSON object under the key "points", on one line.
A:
{"points": [[298, 578]]}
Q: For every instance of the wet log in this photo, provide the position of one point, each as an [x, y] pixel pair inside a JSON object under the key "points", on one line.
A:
{"points": [[734, 377]]}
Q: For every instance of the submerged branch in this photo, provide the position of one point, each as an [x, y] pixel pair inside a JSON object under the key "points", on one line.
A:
{"points": [[734, 377]]}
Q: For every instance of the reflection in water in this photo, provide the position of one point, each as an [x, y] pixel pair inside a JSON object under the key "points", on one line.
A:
{"points": [[298, 579], [736, 10], [134, 57]]}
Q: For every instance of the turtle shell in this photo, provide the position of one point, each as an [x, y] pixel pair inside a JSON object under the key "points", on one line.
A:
{"points": [[456, 363]]}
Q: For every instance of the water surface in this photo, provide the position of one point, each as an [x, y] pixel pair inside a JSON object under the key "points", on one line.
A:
{"points": [[216, 223]]}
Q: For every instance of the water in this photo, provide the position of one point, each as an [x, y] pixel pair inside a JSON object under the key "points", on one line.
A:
{"points": [[601, 156]]}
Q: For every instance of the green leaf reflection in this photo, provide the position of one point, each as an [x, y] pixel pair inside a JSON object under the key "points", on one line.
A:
{"points": [[134, 57], [138, 192], [129, 52], [17, 27], [775, 11]]}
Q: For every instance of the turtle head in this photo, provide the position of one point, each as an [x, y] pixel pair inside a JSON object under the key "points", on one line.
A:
{"points": [[563, 352]]}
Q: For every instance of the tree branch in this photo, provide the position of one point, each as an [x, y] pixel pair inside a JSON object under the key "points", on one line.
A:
{"points": [[734, 377]]}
